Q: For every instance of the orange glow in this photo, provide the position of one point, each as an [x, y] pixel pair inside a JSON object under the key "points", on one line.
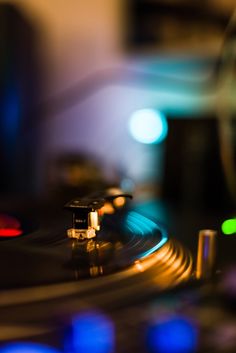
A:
{"points": [[139, 266], [119, 201], [107, 208]]}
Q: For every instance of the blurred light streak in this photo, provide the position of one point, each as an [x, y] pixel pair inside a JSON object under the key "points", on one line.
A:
{"points": [[90, 332], [183, 104], [154, 248], [192, 68], [174, 94], [141, 225], [153, 209], [169, 274], [172, 335]]}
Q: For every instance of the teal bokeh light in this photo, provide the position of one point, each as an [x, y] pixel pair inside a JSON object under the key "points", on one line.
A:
{"points": [[148, 126]]}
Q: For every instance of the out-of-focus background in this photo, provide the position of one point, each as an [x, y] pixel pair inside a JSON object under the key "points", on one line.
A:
{"points": [[128, 93], [137, 95]]}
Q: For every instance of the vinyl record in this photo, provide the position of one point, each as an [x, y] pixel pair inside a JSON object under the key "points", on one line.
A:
{"points": [[131, 252]]}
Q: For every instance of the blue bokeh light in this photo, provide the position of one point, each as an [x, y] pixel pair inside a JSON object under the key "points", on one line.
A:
{"points": [[11, 112], [90, 332], [172, 335], [25, 347], [148, 126]]}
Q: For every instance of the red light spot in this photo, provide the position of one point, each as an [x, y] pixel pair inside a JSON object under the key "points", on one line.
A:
{"points": [[10, 232]]}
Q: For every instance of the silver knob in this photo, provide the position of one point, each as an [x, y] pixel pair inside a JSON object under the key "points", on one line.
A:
{"points": [[206, 255]]}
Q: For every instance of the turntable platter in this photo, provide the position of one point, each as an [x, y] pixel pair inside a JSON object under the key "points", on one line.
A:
{"points": [[131, 254]]}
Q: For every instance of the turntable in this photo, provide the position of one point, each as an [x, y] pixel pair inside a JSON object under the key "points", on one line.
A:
{"points": [[113, 273], [126, 249]]}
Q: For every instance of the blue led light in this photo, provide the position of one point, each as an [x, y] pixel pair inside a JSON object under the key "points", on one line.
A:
{"points": [[148, 126], [24, 347], [173, 335], [90, 332]]}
